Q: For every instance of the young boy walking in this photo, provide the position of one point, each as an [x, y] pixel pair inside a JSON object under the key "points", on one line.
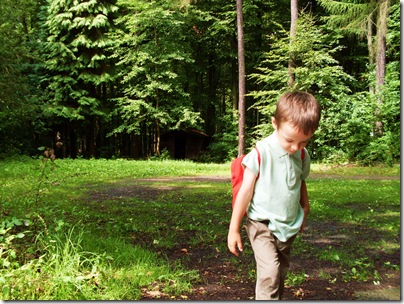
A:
{"points": [[274, 192]]}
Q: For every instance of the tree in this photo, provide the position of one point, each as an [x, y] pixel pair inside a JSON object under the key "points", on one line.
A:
{"points": [[22, 124], [293, 25], [381, 58], [359, 19], [153, 56], [78, 68], [316, 71], [241, 79]]}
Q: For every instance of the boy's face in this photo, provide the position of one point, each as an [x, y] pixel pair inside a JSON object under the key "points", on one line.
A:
{"points": [[290, 138]]}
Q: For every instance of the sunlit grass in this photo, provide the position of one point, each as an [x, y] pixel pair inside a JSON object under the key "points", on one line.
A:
{"points": [[353, 170], [105, 244]]}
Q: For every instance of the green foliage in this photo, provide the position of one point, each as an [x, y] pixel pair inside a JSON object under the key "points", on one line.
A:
{"points": [[350, 16], [346, 127], [78, 66], [295, 279], [77, 56], [11, 233], [105, 72], [361, 143], [223, 146], [20, 109], [153, 54], [316, 71]]}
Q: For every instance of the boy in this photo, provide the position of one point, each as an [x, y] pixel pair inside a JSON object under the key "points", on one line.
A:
{"points": [[275, 192]]}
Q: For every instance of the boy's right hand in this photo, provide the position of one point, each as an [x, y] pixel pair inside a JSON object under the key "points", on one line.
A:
{"points": [[234, 242]]}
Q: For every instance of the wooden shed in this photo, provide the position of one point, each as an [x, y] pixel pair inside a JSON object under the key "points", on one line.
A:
{"points": [[184, 144]]}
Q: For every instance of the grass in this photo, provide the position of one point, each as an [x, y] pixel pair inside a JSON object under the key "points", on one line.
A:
{"points": [[73, 230], [353, 170]]}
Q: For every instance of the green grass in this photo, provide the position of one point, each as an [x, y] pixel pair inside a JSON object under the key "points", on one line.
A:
{"points": [[72, 233], [353, 170]]}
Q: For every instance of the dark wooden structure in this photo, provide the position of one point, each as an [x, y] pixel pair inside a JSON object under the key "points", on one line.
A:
{"points": [[184, 144]]}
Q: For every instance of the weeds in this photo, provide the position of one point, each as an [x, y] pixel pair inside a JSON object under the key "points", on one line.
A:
{"points": [[295, 279], [40, 261]]}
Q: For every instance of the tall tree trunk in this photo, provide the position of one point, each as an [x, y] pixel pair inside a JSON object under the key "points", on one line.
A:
{"points": [[381, 58], [241, 79], [210, 120], [157, 140], [370, 46], [73, 141], [381, 44], [293, 27], [90, 138], [234, 78]]}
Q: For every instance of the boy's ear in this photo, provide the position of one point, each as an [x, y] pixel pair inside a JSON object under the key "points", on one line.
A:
{"points": [[274, 122]]}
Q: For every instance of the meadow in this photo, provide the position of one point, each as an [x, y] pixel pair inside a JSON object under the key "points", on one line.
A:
{"points": [[124, 230]]}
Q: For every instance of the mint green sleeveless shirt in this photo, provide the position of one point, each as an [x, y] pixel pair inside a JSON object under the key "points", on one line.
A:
{"points": [[277, 190]]}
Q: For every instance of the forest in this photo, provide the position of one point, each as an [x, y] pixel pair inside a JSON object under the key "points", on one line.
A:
{"points": [[112, 78]]}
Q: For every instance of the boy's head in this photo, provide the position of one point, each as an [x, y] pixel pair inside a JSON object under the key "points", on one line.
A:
{"points": [[296, 119], [300, 109]]}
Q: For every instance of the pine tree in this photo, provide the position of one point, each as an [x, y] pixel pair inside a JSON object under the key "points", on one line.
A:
{"points": [[77, 58]]}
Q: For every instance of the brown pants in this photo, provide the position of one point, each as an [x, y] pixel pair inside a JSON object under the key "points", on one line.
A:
{"points": [[272, 258]]}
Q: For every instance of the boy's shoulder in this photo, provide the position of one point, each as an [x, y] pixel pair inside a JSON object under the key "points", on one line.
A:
{"points": [[266, 142]]}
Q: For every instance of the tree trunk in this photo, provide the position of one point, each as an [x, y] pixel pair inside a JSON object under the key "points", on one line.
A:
{"points": [[381, 44], [241, 79], [234, 79], [210, 120], [90, 138], [370, 46], [158, 136], [381, 59], [73, 142], [293, 27]]}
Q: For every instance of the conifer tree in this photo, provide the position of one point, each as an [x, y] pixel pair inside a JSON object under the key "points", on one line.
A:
{"points": [[78, 65]]}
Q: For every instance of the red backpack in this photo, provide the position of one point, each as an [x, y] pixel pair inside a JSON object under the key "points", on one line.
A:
{"points": [[237, 173]]}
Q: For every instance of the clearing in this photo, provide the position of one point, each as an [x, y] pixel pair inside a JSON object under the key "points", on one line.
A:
{"points": [[223, 280]]}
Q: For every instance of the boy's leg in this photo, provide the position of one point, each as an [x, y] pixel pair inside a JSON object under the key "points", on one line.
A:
{"points": [[284, 261], [272, 259]]}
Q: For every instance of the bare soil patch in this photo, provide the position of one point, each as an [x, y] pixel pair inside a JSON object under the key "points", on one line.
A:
{"points": [[222, 280]]}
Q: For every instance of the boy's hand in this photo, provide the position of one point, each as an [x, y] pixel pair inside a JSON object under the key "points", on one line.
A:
{"points": [[303, 225], [234, 242], [306, 213]]}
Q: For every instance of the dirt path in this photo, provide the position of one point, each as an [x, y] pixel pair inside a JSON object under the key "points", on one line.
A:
{"points": [[312, 176], [222, 280]]}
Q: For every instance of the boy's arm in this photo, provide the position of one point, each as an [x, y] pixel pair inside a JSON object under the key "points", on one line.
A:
{"points": [[304, 202], [240, 206]]}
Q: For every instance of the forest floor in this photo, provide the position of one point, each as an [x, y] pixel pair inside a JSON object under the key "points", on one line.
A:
{"points": [[221, 279]]}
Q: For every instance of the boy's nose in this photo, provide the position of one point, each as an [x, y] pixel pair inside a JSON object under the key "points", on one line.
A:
{"points": [[295, 147]]}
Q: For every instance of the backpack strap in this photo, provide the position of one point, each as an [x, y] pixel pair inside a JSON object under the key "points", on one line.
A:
{"points": [[302, 154]]}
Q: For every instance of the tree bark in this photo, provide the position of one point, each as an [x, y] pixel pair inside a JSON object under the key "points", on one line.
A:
{"points": [[381, 59], [241, 79], [370, 46], [293, 28], [381, 44]]}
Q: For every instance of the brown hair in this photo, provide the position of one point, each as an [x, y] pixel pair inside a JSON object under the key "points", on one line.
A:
{"points": [[299, 108]]}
